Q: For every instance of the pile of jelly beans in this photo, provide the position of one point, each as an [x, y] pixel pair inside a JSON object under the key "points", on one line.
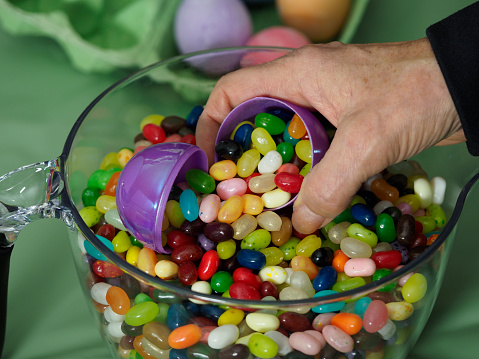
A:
{"points": [[223, 242]]}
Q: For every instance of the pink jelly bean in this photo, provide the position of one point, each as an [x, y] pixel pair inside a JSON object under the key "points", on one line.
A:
{"points": [[305, 343], [338, 339], [321, 320], [231, 187], [319, 336], [173, 138], [209, 208], [360, 267], [375, 317], [405, 208]]}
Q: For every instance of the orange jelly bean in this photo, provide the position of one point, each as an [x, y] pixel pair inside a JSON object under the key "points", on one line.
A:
{"points": [[110, 188], [304, 264], [147, 261], [185, 336], [349, 323], [231, 210], [139, 348], [384, 191], [339, 260], [223, 170], [252, 204], [296, 128], [118, 300]]}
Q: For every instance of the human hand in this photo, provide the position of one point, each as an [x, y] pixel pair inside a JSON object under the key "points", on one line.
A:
{"points": [[387, 101]]}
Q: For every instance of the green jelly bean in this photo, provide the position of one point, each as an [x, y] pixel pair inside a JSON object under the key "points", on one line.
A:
{"points": [[381, 273], [162, 313], [385, 229], [415, 288], [289, 248], [357, 199], [201, 351], [256, 240], [134, 355], [271, 123], [163, 296], [358, 231], [200, 181], [142, 298], [89, 196], [226, 249], [428, 223], [90, 215], [262, 346], [286, 150], [142, 313], [437, 212], [305, 170], [348, 284], [135, 242], [174, 213], [100, 178], [345, 216], [329, 243], [221, 281]]}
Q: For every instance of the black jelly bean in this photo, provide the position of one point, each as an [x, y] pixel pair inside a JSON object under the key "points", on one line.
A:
{"points": [[398, 180], [406, 229], [229, 150], [370, 198], [323, 256], [394, 212], [175, 193], [173, 124], [193, 228], [218, 231]]}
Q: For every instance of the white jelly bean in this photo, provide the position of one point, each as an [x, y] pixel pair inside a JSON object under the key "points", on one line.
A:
{"points": [[275, 274], [338, 339], [81, 242], [382, 247], [300, 279], [202, 287], [270, 162], [289, 271], [388, 330], [381, 206], [281, 340], [113, 217], [223, 336], [268, 311], [422, 188], [98, 292], [438, 185], [275, 198], [115, 331], [261, 322], [244, 340], [360, 267], [112, 317]]}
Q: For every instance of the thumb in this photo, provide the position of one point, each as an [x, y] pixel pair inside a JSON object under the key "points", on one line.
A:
{"points": [[330, 186]]}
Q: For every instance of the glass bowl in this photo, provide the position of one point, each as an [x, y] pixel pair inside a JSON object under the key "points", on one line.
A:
{"points": [[54, 189]]}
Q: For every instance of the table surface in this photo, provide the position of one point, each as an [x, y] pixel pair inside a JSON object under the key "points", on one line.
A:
{"points": [[41, 95]]}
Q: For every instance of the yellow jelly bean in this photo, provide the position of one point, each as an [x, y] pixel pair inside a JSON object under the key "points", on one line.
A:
{"points": [[147, 260], [415, 288], [274, 256], [166, 269], [105, 203], [110, 160], [132, 255], [226, 249], [252, 204], [413, 200], [308, 245], [121, 242], [262, 141], [153, 118], [174, 214], [124, 156], [231, 316], [248, 162], [275, 198], [399, 310], [304, 151], [231, 210], [223, 170], [305, 170]]}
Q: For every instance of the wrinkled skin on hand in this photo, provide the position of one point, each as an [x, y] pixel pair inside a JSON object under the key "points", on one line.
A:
{"points": [[387, 101]]}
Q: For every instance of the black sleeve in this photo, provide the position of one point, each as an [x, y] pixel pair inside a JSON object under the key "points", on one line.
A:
{"points": [[455, 42]]}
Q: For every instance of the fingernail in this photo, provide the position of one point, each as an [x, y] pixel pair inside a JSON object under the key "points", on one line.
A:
{"points": [[306, 221]]}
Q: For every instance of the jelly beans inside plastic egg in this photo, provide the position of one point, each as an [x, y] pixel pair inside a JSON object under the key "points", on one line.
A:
{"points": [[209, 24]]}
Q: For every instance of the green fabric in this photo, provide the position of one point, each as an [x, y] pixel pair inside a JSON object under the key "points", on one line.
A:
{"points": [[42, 94]]}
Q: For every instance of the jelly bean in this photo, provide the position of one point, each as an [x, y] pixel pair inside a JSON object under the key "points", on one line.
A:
{"points": [[399, 311], [243, 226], [406, 229], [251, 259], [275, 198], [366, 341], [202, 287], [280, 237], [385, 228], [262, 183], [200, 181], [354, 248], [223, 336], [209, 265], [95, 253], [348, 322], [172, 124], [166, 269], [218, 231], [154, 133], [178, 354], [286, 150], [338, 339], [226, 249], [262, 346], [174, 213], [153, 350], [296, 128], [262, 322], [131, 330], [339, 261], [189, 205], [281, 341], [147, 261], [437, 212], [153, 118], [270, 162], [231, 187], [231, 316], [245, 275], [287, 137], [110, 160], [99, 291], [157, 334], [360, 267], [178, 316], [248, 162], [141, 313], [132, 255], [294, 322], [242, 134], [209, 207], [338, 232], [231, 210], [121, 242], [349, 284], [252, 204], [384, 191], [221, 281], [327, 307], [90, 196], [118, 300], [124, 156], [262, 141], [141, 298], [380, 274], [300, 279], [388, 331], [229, 150], [304, 151], [223, 170], [361, 305], [358, 231], [274, 256], [363, 214], [387, 259], [256, 240], [271, 123], [288, 182], [438, 186], [268, 289], [305, 169], [110, 188], [193, 116], [423, 189], [187, 273], [381, 206], [375, 317], [106, 269], [428, 223], [90, 215], [308, 245], [415, 288], [274, 274], [302, 263], [176, 239], [305, 343], [288, 167], [325, 279], [269, 221], [184, 336], [237, 351], [244, 291]]}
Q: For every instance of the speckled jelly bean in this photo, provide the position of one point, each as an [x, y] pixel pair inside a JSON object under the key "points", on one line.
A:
{"points": [[270, 162], [360, 267], [106, 269], [244, 291], [209, 207], [437, 212], [275, 274], [338, 339], [262, 346], [399, 311], [256, 240]]}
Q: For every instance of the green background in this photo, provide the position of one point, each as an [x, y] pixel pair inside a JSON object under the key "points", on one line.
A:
{"points": [[41, 95]]}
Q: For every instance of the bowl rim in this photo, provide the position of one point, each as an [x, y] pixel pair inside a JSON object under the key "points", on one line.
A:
{"points": [[216, 299]]}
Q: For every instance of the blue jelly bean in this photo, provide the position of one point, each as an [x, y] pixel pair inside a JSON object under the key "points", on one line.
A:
{"points": [[192, 308], [193, 116], [361, 305], [243, 135], [177, 354], [189, 205], [285, 115], [355, 354], [95, 253], [363, 214], [251, 259], [327, 307], [211, 311], [325, 279], [287, 137], [177, 316]]}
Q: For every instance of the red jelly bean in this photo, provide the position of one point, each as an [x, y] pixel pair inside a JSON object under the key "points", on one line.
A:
{"points": [[190, 138], [268, 289], [387, 259], [418, 227], [107, 231], [173, 138], [106, 269], [177, 239], [209, 265], [419, 241], [245, 275], [187, 273], [244, 291], [154, 133], [186, 252], [288, 168], [288, 182]]}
